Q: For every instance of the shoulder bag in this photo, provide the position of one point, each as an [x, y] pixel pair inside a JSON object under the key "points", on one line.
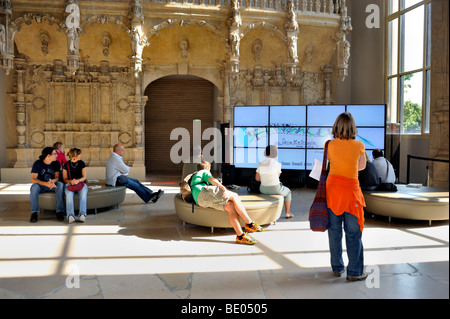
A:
{"points": [[318, 213], [76, 187], [386, 187]]}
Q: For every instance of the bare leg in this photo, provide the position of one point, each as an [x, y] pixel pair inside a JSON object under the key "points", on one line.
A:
{"points": [[233, 217], [288, 209], [239, 207]]}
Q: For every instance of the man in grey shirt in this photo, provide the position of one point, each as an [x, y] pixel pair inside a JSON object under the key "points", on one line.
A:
{"points": [[383, 167], [116, 171]]}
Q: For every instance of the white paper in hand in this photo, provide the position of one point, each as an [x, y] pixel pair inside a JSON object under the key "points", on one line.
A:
{"points": [[317, 170]]}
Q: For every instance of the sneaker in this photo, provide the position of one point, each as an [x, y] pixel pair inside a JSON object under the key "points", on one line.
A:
{"points": [[34, 217], [339, 273], [70, 219], [82, 218], [157, 196], [60, 216], [357, 278], [245, 239], [253, 227]]}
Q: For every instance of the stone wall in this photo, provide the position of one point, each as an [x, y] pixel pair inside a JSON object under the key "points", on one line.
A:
{"points": [[78, 70], [439, 105]]}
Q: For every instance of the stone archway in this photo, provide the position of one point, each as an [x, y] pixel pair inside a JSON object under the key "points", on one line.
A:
{"points": [[174, 101]]}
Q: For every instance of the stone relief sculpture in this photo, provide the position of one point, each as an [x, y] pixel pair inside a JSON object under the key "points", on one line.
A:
{"points": [[45, 39], [71, 27], [256, 50], [106, 42], [2, 39], [342, 44], [99, 103], [309, 52], [184, 44]]}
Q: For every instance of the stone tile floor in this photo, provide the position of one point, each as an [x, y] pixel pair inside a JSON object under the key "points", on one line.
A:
{"points": [[144, 251]]}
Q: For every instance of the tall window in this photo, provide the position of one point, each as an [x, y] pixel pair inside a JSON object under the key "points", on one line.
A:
{"points": [[408, 64]]}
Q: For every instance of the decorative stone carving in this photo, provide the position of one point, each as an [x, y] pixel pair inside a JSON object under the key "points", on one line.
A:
{"points": [[71, 28], [292, 30], [106, 42], [342, 44], [45, 39], [309, 53], [184, 44], [256, 50], [327, 71], [103, 102], [2, 39]]}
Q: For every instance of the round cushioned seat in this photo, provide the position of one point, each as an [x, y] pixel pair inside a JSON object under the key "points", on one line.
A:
{"points": [[423, 203], [98, 197], [264, 209]]}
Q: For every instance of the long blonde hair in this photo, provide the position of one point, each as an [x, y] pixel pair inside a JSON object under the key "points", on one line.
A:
{"points": [[344, 127]]}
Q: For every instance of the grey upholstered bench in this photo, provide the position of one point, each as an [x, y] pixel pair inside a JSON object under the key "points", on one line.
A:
{"points": [[101, 196]]}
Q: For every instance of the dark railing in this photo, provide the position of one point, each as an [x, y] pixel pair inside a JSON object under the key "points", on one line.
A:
{"points": [[408, 164]]}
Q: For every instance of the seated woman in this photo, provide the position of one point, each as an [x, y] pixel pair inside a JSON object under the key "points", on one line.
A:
{"points": [[268, 173], [209, 192], [74, 172]]}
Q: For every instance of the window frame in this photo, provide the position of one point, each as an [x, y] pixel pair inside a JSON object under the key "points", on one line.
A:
{"points": [[397, 75]]}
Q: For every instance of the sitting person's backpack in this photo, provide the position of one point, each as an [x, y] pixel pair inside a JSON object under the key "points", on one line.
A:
{"points": [[186, 190], [253, 185]]}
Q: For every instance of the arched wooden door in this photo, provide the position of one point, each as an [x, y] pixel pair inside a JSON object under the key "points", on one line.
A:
{"points": [[174, 101]]}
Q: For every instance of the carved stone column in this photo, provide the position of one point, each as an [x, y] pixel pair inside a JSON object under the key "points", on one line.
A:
{"points": [[19, 103], [6, 37]]}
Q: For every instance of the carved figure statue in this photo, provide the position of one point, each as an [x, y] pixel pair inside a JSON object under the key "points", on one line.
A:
{"points": [[2, 39]]}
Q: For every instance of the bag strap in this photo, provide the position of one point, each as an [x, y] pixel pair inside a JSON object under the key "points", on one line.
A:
{"points": [[68, 169], [387, 168], [325, 158]]}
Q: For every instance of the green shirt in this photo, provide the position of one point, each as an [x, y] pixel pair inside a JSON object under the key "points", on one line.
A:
{"points": [[199, 181]]}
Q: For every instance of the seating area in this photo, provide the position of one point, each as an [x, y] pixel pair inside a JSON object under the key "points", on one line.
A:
{"points": [[265, 209], [423, 203], [99, 196]]}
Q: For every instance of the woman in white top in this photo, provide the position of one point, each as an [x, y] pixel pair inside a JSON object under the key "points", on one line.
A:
{"points": [[268, 172]]}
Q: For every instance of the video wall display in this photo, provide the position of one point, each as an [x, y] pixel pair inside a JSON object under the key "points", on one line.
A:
{"points": [[300, 132]]}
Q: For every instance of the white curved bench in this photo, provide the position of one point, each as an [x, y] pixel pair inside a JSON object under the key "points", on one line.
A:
{"points": [[264, 209], [424, 203]]}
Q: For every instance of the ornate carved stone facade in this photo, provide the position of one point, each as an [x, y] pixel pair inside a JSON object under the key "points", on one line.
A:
{"points": [[78, 69]]}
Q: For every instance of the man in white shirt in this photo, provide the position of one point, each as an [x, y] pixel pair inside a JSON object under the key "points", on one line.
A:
{"points": [[383, 167], [116, 171]]}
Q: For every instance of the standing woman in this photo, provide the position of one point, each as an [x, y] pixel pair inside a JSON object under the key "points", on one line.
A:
{"points": [[345, 200], [268, 173], [74, 172]]}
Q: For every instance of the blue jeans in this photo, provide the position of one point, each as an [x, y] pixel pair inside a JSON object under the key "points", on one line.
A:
{"points": [[132, 183], [82, 194], [36, 189], [353, 242]]}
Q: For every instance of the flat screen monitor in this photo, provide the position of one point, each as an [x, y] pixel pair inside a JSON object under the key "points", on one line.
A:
{"points": [[300, 131]]}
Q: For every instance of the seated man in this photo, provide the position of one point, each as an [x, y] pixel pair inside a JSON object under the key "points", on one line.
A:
{"points": [[368, 177], [116, 170], [384, 168], [45, 178], [209, 192]]}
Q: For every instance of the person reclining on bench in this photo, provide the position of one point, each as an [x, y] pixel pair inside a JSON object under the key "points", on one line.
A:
{"points": [[208, 192], [116, 170]]}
